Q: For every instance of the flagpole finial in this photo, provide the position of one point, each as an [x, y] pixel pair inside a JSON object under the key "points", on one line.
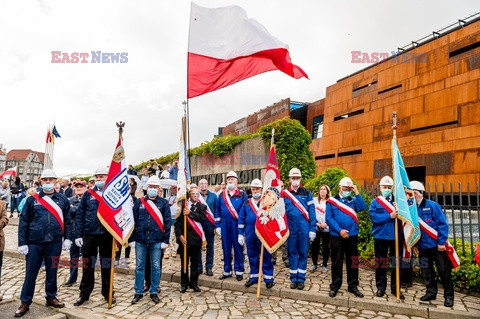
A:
{"points": [[394, 126], [272, 140], [120, 126]]}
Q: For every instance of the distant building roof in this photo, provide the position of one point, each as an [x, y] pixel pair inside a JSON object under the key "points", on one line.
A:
{"points": [[2, 153], [21, 155]]}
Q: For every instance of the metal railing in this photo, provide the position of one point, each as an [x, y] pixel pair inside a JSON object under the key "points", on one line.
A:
{"points": [[462, 210]]}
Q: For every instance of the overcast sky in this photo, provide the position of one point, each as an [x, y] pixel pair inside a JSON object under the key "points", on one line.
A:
{"points": [[85, 100]]}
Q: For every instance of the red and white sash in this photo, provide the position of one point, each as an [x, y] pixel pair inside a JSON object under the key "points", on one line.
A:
{"points": [[95, 195], [297, 204], [154, 212], [229, 205], [210, 216], [253, 206], [198, 229], [385, 204], [430, 231], [344, 208], [52, 207]]}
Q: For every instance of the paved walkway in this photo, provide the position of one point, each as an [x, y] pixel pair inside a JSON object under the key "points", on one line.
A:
{"points": [[229, 298]]}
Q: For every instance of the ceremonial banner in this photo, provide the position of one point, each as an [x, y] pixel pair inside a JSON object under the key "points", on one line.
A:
{"points": [[183, 177], [406, 205], [114, 209], [9, 172], [271, 226], [226, 47]]}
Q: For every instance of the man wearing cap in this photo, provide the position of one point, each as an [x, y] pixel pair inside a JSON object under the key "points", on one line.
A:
{"points": [[246, 234], [44, 223], [80, 188], [341, 217], [383, 213], [302, 225], [229, 204], [152, 232], [95, 240], [433, 246], [210, 200]]}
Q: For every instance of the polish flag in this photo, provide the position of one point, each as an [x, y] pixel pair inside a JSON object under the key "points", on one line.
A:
{"points": [[226, 47], [9, 172]]}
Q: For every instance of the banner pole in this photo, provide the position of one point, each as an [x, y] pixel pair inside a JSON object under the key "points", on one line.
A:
{"points": [[260, 273], [112, 262], [397, 253]]}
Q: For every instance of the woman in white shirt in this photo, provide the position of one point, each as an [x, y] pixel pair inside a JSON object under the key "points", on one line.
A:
{"points": [[323, 233]]}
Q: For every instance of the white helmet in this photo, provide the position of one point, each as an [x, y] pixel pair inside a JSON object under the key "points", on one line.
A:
{"points": [[386, 181], [346, 181], [153, 180], [232, 174], [48, 173], [294, 172], [256, 183], [102, 170], [416, 185]]}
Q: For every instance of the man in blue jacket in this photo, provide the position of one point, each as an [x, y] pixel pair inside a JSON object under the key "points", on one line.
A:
{"points": [[302, 224], [210, 200], [246, 233], [341, 217], [383, 214], [151, 233], [433, 250], [229, 204], [44, 223], [95, 240]]}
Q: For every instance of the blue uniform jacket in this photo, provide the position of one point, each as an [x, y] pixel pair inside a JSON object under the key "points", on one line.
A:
{"points": [[86, 220], [146, 229], [247, 219], [338, 220], [296, 220], [383, 226], [212, 204], [222, 212], [37, 225], [432, 214]]}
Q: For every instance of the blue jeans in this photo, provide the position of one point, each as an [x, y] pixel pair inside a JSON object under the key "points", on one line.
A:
{"points": [[155, 253], [15, 201]]}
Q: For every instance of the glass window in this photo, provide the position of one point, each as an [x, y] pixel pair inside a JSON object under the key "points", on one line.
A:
{"points": [[317, 131]]}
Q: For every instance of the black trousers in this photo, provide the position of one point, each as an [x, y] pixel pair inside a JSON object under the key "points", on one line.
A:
{"points": [[1, 263], [385, 249], [192, 260], [325, 238], [444, 268], [343, 247], [96, 247]]}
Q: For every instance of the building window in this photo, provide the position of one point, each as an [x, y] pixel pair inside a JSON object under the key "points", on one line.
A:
{"points": [[317, 131]]}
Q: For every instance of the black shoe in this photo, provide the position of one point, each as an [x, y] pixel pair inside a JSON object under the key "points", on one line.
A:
{"points": [[80, 301], [428, 297], [402, 297], [250, 283], [332, 293], [300, 285], [196, 289], [448, 302], [200, 271], [287, 264], [114, 300], [356, 292], [209, 272], [274, 262], [136, 298], [380, 293], [269, 285], [293, 285], [68, 284], [239, 277], [154, 298], [224, 276], [183, 289]]}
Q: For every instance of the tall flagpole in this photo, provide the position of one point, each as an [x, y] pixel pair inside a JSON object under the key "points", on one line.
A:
{"points": [[184, 129], [397, 255]]}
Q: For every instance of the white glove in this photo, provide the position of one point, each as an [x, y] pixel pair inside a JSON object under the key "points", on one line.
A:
{"points": [[312, 235], [23, 250], [67, 244], [218, 230], [163, 245], [241, 240], [132, 244], [79, 242]]}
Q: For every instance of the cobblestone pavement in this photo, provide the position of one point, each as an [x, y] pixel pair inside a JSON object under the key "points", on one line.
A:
{"points": [[229, 298]]}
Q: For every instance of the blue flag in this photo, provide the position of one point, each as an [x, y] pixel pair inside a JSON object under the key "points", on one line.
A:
{"points": [[55, 132], [406, 205]]}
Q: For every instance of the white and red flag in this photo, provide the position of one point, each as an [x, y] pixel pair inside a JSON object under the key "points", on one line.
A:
{"points": [[115, 210], [9, 172], [226, 47], [271, 226]]}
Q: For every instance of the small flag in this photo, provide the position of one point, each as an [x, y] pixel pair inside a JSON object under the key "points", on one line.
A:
{"points": [[9, 172], [55, 132], [183, 177]]}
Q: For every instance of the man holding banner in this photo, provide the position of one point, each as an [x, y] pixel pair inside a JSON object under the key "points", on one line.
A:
{"points": [[434, 246]]}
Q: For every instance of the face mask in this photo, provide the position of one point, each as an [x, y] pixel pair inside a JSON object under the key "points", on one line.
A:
{"points": [[152, 192], [346, 194], [256, 195], [296, 182], [386, 192], [48, 187], [100, 184], [230, 186]]}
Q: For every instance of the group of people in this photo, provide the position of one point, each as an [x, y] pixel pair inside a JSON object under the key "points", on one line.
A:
{"points": [[50, 222]]}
